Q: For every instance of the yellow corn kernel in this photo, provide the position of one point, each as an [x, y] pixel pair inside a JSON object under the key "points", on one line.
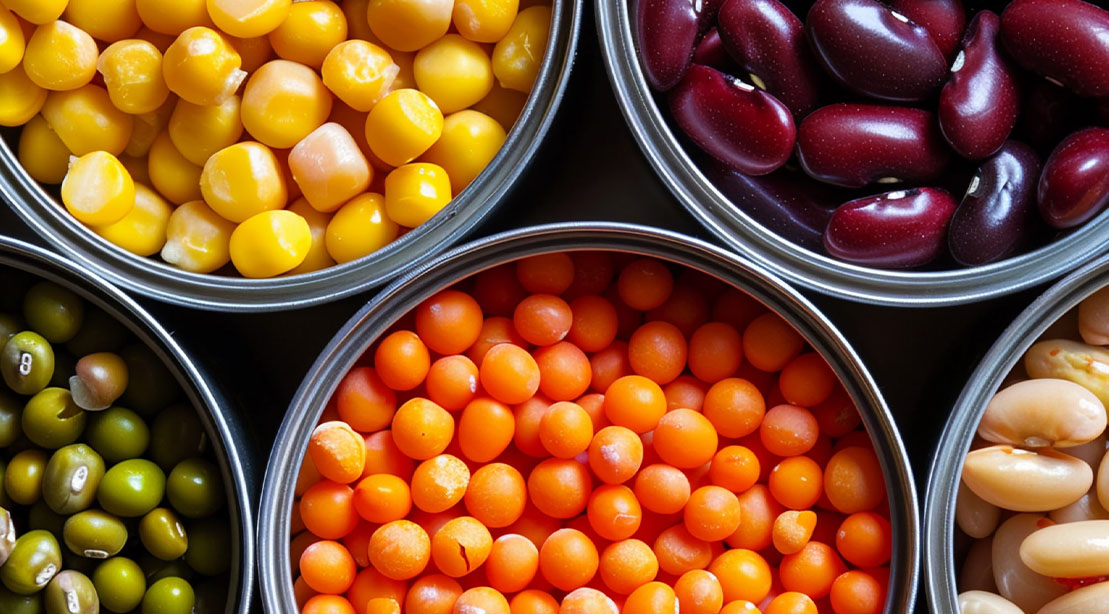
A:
{"points": [[97, 189], [253, 51], [37, 12], [270, 243], [358, 27], [284, 102], [132, 72], [137, 168], [147, 127], [415, 192], [517, 56], [359, 73], [86, 120], [106, 20], [202, 67], [484, 21], [12, 42], [317, 257], [243, 180], [173, 17], [312, 28], [402, 126], [454, 71], [503, 105], [408, 25], [20, 98], [470, 141], [143, 230], [248, 18], [60, 56], [200, 131], [355, 123], [360, 227], [160, 41], [197, 239], [329, 167], [171, 174], [42, 154]]}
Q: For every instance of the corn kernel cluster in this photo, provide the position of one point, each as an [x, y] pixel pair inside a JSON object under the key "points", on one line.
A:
{"points": [[282, 137]]}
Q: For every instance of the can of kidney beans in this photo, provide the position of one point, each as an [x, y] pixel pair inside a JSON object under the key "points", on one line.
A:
{"points": [[225, 433], [276, 570]]}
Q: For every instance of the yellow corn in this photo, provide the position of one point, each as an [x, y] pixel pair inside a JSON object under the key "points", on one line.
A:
{"points": [[454, 72], [106, 20], [243, 180], [173, 17], [200, 131], [147, 127], [248, 18], [402, 126], [202, 67], [37, 12], [253, 51], [312, 28], [484, 21], [329, 167], [42, 154], [408, 25], [503, 105], [97, 189], [415, 192], [284, 102], [143, 230], [360, 227], [470, 140], [12, 42], [20, 99], [171, 174], [359, 73], [317, 257], [60, 56], [197, 239], [517, 56], [270, 243], [132, 72], [86, 120]]}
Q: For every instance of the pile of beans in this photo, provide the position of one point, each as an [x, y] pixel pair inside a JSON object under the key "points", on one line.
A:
{"points": [[279, 137], [1035, 486], [860, 98], [590, 433], [109, 497]]}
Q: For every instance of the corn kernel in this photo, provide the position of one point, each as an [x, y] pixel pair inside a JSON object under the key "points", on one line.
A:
{"points": [[97, 189], [360, 227], [358, 27], [317, 257], [37, 12], [454, 71], [470, 141], [200, 131], [253, 51], [86, 120], [174, 17], [284, 102], [42, 154], [147, 127], [329, 168], [355, 123], [484, 21], [415, 192], [20, 99], [197, 239], [132, 72], [517, 56], [359, 73], [12, 43], [248, 18], [137, 168], [408, 25], [60, 56], [160, 41], [202, 67], [143, 230], [503, 105], [270, 243], [312, 28], [171, 174], [402, 126], [243, 180], [106, 20]]}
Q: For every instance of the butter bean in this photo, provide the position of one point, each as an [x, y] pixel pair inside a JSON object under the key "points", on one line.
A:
{"points": [[1043, 412], [1093, 318], [1085, 365], [975, 517], [981, 602], [1090, 599], [1015, 581], [977, 571], [1025, 480], [1103, 481], [1090, 452], [1086, 508], [1072, 550]]}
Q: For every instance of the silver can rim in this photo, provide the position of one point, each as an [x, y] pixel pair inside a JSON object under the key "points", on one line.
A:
{"points": [[41, 263], [163, 282], [406, 293], [741, 233]]}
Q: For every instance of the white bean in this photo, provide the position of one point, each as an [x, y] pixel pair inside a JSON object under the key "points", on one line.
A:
{"points": [[1025, 480], [1015, 581], [1071, 550], [1103, 481], [1086, 508], [1083, 364], [976, 517], [981, 602], [1092, 599], [1092, 451], [1043, 412], [977, 571], [1093, 318]]}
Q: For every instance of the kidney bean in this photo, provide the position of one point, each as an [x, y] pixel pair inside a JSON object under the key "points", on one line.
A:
{"points": [[874, 51], [1015, 581], [977, 571], [944, 20], [982, 602], [1074, 186], [1086, 508], [1083, 600], [979, 104], [900, 229], [997, 216], [710, 52], [768, 41], [1085, 365], [1093, 318], [1043, 412], [1026, 480], [975, 517], [1063, 40], [853, 145], [738, 124], [667, 32], [1072, 550]]}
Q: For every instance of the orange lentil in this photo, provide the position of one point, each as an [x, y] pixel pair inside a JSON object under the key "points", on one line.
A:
{"points": [[382, 498], [837, 416], [685, 391], [715, 352], [758, 510], [593, 272], [792, 530], [327, 567], [614, 512], [565, 430], [662, 489], [449, 321], [560, 488], [856, 592], [370, 584], [546, 273], [400, 549], [712, 513], [699, 592], [568, 559], [542, 319], [337, 452], [678, 551], [811, 570], [485, 429], [658, 350], [635, 402], [626, 565], [743, 574], [358, 542], [864, 539], [528, 416], [645, 284], [686, 308], [495, 330], [533, 601], [853, 480], [402, 360], [564, 371], [740, 606], [735, 468], [791, 603], [512, 564], [594, 404], [734, 406], [328, 511], [770, 343], [788, 430], [807, 380], [652, 598], [481, 599], [509, 373], [594, 323], [383, 605], [383, 456], [615, 454], [497, 290], [327, 604], [364, 401], [439, 483], [421, 429], [796, 482], [496, 495], [452, 382], [609, 365], [685, 439], [461, 546], [587, 600]]}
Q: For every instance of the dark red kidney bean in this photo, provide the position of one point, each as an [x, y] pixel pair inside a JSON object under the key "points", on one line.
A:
{"points": [[667, 32], [853, 145], [1063, 40], [979, 104], [944, 20], [875, 51], [997, 216], [710, 52], [1074, 186], [768, 42], [736, 123], [895, 230]]}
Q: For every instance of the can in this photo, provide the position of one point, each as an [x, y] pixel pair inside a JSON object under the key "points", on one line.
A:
{"points": [[407, 293], [151, 277], [224, 431]]}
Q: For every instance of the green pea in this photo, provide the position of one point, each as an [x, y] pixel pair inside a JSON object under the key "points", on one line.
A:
{"points": [[208, 547], [72, 478], [53, 311], [34, 560], [10, 324], [163, 534], [195, 488], [71, 592], [51, 419], [100, 333], [132, 488], [11, 411], [94, 534], [23, 476], [42, 518], [117, 434], [7, 535], [156, 569], [27, 363], [12, 603], [152, 387], [176, 434], [169, 596], [120, 583]]}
